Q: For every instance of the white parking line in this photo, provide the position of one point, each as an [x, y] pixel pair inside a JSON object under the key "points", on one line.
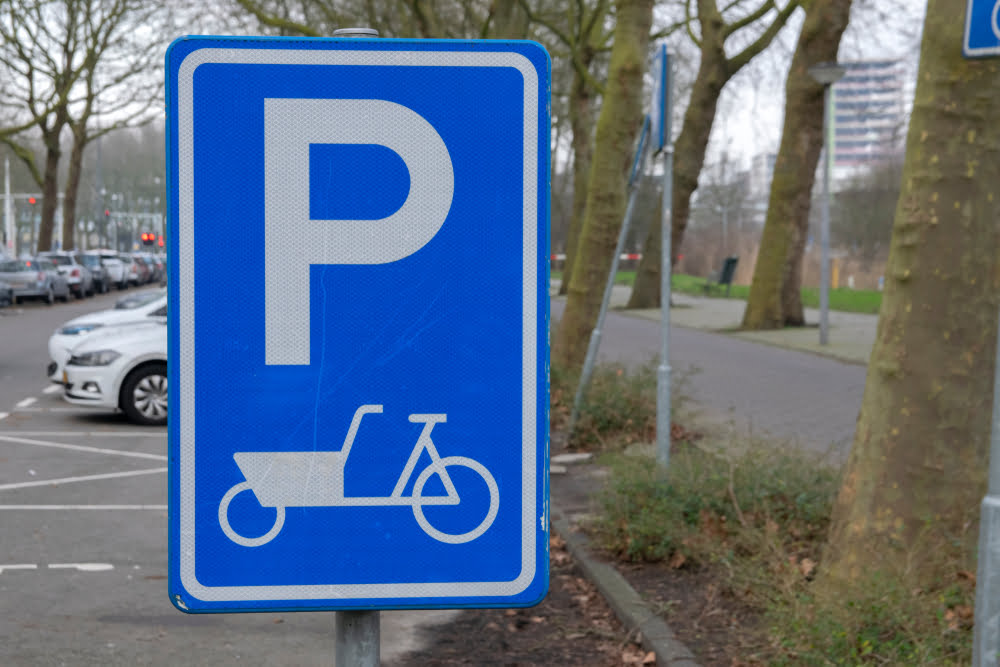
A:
{"points": [[4, 415], [19, 566], [84, 478], [83, 448], [52, 388], [160, 508], [26, 402], [82, 567]]}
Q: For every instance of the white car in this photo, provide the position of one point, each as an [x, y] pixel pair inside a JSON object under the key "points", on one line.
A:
{"points": [[150, 305], [121, 368]]}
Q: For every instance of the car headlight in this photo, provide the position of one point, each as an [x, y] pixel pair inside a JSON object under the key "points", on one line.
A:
{"points": [[98, 358], [78, 329]]}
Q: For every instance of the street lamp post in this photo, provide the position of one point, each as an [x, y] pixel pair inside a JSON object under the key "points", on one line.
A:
{"points": [[826, 74]]}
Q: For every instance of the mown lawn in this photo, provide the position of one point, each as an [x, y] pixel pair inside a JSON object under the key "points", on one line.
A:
{"points": [[841, 299]]}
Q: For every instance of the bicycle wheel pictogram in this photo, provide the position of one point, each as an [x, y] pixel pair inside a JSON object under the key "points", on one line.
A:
{"points": [[439, 468]]}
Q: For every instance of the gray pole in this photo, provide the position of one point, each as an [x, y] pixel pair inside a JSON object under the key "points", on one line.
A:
{"points": [[986, 635], [357, 639], [824, 234], [595, 336], [8, 209], [357, 634], [663, 406]]}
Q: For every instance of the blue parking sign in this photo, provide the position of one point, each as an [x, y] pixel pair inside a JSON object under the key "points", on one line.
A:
{"points": [[358, 238], [982, 29]]}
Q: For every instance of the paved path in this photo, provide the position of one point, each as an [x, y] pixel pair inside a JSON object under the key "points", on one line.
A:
{"points": [[749, 379]]}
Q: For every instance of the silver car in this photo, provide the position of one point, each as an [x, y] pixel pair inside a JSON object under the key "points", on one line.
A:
{"points": [[34, 278], [79, 277]]}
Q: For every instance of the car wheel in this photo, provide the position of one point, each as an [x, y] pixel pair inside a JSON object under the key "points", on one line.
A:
{"points": [[50, 296], [144, 395]]}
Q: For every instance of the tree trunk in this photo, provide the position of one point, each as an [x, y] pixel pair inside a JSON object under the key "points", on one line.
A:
{"points": [[689, 157], [50, 197], [714, 71], [775, 293], [620, 117], [580, 117], [73, 186], [921, 443]]}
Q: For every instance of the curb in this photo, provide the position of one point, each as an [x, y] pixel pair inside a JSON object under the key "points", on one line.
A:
{"points": [[630, 608]]}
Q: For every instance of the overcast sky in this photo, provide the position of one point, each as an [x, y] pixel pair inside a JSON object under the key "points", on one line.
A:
{"points": [[752, 104]]}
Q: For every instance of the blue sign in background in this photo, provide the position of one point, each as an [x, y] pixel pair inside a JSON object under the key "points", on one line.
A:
{"points": [[982, 33], [440, 331]]}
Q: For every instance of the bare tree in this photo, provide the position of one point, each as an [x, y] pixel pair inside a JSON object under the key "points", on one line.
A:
{"points": [[717, 27], [63, 55], [775, 294]]}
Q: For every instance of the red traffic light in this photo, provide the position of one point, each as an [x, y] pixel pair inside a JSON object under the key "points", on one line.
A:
{"points": [[32, 201], [160, 241], [106, 213]]}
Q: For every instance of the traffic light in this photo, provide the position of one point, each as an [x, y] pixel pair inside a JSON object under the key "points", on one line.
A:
{"points": [[159, 241], [32, 201], [148, 238]]}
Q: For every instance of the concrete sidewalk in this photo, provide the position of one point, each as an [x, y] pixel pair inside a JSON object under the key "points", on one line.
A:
{"points": [[851, 334]]}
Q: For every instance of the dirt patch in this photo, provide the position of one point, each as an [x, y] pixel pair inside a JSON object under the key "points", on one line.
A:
{"points": [[718, 628], [572, 626]]}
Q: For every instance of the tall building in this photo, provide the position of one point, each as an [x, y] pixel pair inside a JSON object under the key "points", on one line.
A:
{"points": [[869, 111]]}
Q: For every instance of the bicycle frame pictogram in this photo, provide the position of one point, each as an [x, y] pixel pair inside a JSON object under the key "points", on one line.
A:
{"points": [[316, 479]]}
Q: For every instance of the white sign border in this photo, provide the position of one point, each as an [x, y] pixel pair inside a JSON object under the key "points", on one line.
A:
{"points": [[186, 367]]}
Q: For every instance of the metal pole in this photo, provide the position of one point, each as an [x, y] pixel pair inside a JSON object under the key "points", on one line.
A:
{"points": [[595, 336], [663, 399], [986, 634], [8, 209], [824, 234], [357, 633], [357, 639]]}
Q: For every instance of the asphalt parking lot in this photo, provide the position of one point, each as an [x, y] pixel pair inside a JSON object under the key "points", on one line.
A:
{"points": [[83, 536]]}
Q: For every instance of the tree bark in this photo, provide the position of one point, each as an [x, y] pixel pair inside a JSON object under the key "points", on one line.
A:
{"points": [[580, 118], [50, 187], [714, 71], [775, 293], [617, 125], [923, 432], [80, 140]]}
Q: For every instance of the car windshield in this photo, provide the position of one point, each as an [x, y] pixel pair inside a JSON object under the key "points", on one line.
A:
{"points": [[90, 260], [136, 300], [16, 265], [61, 260]]}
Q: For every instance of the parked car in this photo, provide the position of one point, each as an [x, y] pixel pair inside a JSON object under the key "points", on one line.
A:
{"points": [[138, 308], [113, 267], [99, 273], [34, 279], [6, 294], [143, 269], [121, 368], [155, 263], [132, 273], [79, 277]]}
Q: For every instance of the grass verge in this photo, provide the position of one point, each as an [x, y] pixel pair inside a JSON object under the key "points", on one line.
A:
{"points": [[750, 517], [842, 299]]}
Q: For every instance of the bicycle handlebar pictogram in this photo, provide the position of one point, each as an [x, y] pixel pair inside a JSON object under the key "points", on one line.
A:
{"points": [[316, 479]]}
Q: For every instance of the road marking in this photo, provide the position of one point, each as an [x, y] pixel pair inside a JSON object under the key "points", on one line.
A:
{"points": [[26, 402], [84, 478], [80, 409], [91, 434], [4, 415], [161, 508], [82, 567], [19, 566], [52, 388], [83, 448]]}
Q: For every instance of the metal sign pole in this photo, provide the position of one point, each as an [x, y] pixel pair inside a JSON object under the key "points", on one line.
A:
{"points": [[663, 398], [357, 634], [986, 642], [638, 165]]}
